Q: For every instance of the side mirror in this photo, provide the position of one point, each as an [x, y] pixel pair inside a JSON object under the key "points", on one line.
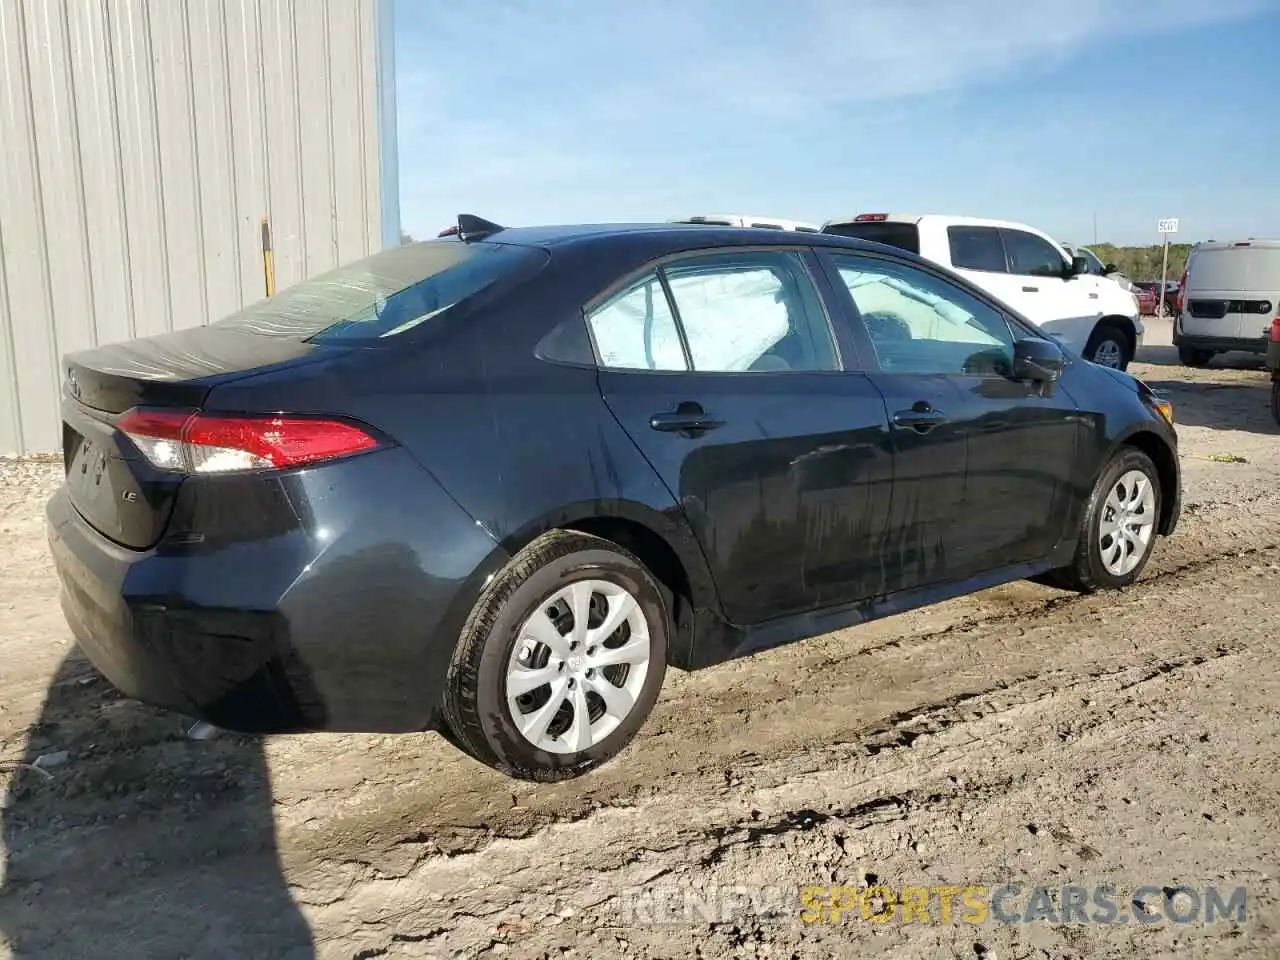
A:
{"points": [[1078, 266], [1039, 361], [1109, 269]]}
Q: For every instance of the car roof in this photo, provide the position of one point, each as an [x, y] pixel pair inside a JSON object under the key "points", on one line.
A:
{"points": [[742, 219], [673, 236], [918, 218], [1233, 244]]}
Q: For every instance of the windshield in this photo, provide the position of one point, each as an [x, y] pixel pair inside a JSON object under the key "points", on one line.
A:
{"points": [[385, 294]]}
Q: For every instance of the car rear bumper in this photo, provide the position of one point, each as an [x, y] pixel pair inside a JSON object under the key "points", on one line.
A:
{"points": [[1222, 344], [346, 621]]}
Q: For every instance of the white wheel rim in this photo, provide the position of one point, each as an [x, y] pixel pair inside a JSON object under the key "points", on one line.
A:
{"points": [[1108, 354], [578, 666], [1127, 522]]}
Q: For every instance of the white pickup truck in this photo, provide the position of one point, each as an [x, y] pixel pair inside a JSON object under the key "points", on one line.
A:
{"points": [[1022, 267]]}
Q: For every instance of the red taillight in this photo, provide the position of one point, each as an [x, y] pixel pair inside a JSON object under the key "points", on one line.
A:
{"points": [[1275, 330], [1182, 290], [870, 217], [188, 442]]}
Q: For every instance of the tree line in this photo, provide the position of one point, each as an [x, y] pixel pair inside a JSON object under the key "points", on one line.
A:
{"points": [[1143, 263]]}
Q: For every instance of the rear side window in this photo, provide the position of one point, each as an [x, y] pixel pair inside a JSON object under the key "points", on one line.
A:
{"points": [[740, 312], [976, 248], [386, 294], [752, 312], [1032, 256], [636, 330], [904, 236]]}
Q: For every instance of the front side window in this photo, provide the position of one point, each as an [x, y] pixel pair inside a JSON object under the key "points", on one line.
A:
{"points": [[920, 323], [976, 248], [1033, 256], [635, 329], [753, 312], [1095, 265]]}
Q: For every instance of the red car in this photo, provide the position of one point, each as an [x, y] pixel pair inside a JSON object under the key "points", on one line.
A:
{"points": [[1146, 294]]}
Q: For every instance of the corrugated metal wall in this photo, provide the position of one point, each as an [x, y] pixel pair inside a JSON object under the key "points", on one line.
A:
{"points": [[141, 144]]}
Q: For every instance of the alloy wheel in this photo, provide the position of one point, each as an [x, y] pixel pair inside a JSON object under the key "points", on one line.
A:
{"points": [[1109, 353]]}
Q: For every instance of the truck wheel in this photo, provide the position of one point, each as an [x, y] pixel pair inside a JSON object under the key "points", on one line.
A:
{"points": [[1275, 399], [1109, 346], [1191, 357]]}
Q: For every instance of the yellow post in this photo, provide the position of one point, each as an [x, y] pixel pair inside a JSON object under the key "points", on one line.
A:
{"points": [[268, 268]]}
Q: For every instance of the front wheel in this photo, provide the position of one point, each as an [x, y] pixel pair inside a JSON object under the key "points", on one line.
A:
{"points": [[561, 660], [1108, 346], [1118, 528]]}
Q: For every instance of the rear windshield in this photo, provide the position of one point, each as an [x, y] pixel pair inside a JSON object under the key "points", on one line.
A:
{"points": [[901, 235], [385, 294], [1226, 269]]}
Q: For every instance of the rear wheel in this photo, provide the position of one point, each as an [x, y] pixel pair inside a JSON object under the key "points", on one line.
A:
{"points": [[1118, 528], [1275, 399], [1109, 346], [1192, 357], [561, 660]]}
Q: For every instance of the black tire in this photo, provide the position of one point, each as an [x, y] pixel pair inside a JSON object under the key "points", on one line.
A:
{"points": [[1192, 357], [1109, 334], [1086, 574], [475, 705], [1275, 399]]}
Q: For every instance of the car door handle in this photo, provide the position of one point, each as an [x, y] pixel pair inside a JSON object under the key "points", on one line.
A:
{"points": [[1093, 296], [1030, 289], [688, 418], [921, 418]]}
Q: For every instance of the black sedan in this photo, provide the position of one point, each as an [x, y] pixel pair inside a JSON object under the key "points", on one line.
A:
{"points": [[495, 484]]}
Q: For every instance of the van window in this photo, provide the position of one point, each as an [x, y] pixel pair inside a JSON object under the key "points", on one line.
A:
{"points": [[1228, 269]]}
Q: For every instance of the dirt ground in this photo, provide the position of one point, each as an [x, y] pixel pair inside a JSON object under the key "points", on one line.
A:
{"points": [[1019, 735]]}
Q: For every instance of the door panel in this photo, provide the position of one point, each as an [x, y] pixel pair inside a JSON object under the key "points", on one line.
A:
{"points": [[788, 495], [1022, 451], [929, 465], [980, 483], [729, 382]]}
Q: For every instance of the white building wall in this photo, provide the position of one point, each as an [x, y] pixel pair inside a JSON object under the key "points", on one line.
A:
{"points": [[141, 144]]}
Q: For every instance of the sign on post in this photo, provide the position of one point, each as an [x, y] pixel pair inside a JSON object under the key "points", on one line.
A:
{"points": [[1166, 226]]}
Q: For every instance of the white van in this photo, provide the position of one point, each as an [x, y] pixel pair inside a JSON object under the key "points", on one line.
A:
{"points": [[1229, 298], [740, 220]]}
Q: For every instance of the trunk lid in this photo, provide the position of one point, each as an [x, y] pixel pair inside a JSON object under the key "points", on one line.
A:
{"points": [[112, 486]]}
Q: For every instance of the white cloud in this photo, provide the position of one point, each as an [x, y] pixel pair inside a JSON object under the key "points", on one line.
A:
{"points": [[570, 109]]}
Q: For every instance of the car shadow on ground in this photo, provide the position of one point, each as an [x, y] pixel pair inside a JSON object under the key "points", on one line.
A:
{"points": [[124, 792], [1163, 355], [1227, 405]]}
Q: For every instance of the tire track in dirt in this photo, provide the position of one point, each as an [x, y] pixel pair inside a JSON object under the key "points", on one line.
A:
{"points": [[813, 819], [710, 725]]}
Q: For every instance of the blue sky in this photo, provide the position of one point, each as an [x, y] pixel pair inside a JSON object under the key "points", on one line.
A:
{"points": [[1043, 111]]}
